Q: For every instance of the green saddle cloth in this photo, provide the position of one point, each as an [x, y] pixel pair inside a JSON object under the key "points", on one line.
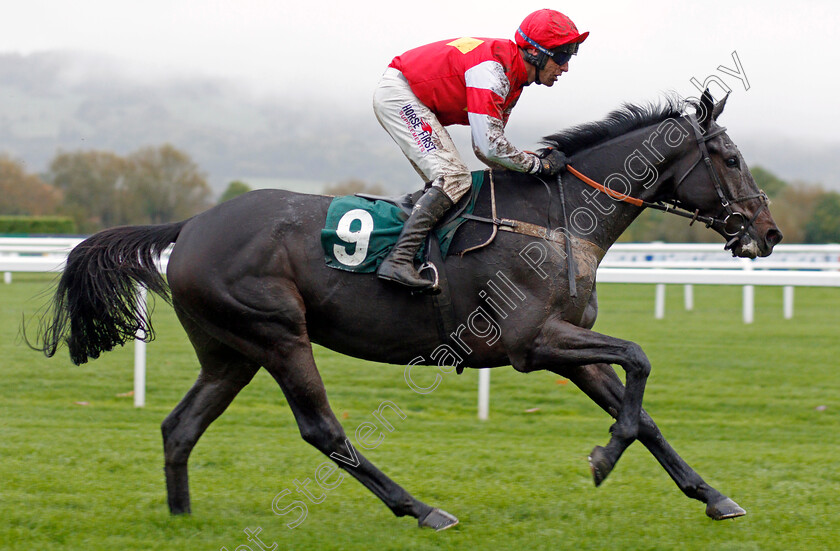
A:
{"points": [[359, 233]]}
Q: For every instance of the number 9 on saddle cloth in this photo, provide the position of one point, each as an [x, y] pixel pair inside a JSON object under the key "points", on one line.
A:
{"points": [[361, 230]]}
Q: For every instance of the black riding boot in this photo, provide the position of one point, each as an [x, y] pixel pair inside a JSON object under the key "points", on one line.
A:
{"points": [[399, 265]]}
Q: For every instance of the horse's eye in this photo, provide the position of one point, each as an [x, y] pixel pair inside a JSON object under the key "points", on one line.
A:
{"points": [[732, 162]]}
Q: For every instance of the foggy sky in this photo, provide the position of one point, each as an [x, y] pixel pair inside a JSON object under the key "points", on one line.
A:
{"points": [[334, 51]]}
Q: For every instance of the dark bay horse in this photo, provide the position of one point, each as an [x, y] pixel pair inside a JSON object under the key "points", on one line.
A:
{"points": [[248, 282]]}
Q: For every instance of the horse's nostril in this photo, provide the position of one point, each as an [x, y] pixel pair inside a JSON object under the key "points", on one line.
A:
{"points": [[773, 237]]}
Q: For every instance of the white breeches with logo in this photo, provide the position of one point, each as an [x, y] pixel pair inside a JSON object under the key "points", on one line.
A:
{"points": [[420, 135]]}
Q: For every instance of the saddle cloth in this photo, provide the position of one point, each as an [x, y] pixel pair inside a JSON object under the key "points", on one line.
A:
{"points": [[360, 231]]}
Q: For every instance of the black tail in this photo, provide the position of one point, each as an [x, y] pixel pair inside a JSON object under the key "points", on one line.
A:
{"points": [[95, 305]]}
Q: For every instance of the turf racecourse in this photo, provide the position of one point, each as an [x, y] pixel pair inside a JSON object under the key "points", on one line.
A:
{"points": [[754, 409]]}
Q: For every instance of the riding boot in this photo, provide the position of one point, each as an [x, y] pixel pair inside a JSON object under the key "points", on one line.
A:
{"points": [[399, 265]]}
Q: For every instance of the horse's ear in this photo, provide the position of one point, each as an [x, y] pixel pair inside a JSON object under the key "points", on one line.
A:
{"points": [[707, 106], [718, 109]]}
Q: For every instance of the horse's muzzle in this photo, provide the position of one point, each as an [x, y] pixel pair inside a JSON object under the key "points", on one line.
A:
{"points": [[749, 246]]}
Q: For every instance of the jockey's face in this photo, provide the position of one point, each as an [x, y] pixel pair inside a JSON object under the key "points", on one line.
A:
{"points": [[552, 71]]}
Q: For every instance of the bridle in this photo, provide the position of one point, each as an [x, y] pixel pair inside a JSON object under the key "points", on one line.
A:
{"points": [[734, 225]]}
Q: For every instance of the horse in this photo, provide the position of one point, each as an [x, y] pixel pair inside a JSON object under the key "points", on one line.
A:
{"points": [[248, 282]]}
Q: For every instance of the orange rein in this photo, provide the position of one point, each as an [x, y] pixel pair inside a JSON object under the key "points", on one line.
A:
{"points": [[614, 194]]}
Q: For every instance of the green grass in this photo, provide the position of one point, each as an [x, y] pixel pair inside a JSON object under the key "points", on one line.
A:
{"points": [[738, 402]]}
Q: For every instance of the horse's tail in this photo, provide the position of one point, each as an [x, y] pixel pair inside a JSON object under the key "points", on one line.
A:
{"points": [[95, 306]]}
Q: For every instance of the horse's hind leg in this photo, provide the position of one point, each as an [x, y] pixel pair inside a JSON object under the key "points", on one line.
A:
{"points": [[224, 372], [601, 383], [301, 383]]}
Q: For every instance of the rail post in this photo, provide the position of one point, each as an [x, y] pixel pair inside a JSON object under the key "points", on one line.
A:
{"points": [[140, 356]]}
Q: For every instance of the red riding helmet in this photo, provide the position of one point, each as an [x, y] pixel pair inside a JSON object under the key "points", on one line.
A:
{"points": [[552, 34]]}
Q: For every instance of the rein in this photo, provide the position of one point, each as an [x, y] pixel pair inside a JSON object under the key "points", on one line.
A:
{"points": [[664, 207]]}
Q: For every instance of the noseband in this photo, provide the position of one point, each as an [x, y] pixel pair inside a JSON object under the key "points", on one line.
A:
{"points": [[735, 224]]}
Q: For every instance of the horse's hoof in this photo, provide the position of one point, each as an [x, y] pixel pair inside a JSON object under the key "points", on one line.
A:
{"points": [[179, 509], [599, 465], [723, 509], [437, 519]]}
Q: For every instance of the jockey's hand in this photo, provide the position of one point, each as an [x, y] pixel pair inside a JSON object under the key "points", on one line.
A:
{"points": [[551, 161]]}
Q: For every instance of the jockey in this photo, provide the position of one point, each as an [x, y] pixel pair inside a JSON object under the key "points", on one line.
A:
{"points": [[469, 81]]}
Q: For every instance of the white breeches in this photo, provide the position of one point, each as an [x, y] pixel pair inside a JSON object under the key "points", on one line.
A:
{"points": [[421, 137]]}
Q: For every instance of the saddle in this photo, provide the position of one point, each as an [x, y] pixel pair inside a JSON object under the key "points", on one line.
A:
{"points": [[461, 230]]}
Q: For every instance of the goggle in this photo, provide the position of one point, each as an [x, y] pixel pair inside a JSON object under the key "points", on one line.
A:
{"points": [[562, 54], [560, 58], [571, 48]]}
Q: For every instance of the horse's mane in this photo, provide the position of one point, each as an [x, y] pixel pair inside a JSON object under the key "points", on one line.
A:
{"points": [[625, 119]]}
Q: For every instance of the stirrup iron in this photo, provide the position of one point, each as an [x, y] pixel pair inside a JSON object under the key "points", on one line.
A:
{"points": [[434, 288]]}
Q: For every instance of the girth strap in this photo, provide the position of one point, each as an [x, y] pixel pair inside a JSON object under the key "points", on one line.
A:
{"points": [[444, 309], [570, 260], [517, 226]]}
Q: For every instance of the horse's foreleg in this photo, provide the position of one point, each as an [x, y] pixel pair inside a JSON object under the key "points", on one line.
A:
{"points": [[601, 383], [304, 390], [561, 345]]}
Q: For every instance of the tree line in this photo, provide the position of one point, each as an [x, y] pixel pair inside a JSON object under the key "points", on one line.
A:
{"points": [[153, 185], [100, 189]]}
